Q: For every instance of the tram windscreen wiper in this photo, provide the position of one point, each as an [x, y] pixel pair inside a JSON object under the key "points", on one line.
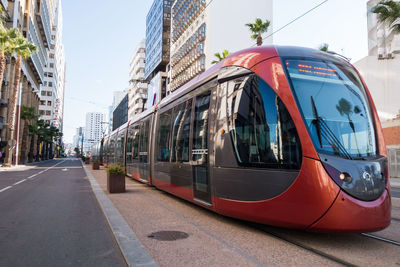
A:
{"points": [[323, 130]]}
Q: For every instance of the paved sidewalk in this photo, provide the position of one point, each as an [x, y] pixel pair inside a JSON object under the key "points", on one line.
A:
{"points": [[395, 182], [206, 239]]}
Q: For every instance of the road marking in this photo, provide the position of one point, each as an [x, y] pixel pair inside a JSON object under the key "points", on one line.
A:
{"points": [[30, 177], [4, 189], [20, 182], [64, 170]]}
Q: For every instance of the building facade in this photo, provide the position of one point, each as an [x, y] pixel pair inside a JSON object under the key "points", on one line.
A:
{"points": [[120, 114], [158, 25], [199, 31], [137, 84], [93, 130], [158, 31], [34, 19], [381, 67]]}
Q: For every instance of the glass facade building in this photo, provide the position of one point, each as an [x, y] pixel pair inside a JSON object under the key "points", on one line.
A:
{"points": [[158, 23]]}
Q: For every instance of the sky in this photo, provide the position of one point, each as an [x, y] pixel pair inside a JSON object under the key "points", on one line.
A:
{"points": [[101, 36]]}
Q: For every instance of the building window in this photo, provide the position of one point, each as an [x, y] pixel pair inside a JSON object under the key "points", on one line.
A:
{"points": [[49, 93], [42, 102], [48, 112], [49, 103], [50, 84]]}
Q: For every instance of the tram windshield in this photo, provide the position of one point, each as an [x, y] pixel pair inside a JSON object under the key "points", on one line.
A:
{"points": [[334, 106]]}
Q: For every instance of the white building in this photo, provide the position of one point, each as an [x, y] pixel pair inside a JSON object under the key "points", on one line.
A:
{"points": [[93, 129], [199, 29], [137, 91], [380, 69], [52, 89]]}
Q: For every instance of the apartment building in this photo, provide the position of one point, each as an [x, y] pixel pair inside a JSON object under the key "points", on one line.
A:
{"points": [[52, 90], [137, 91], [34, 19], [94, 130], [199, 30]]}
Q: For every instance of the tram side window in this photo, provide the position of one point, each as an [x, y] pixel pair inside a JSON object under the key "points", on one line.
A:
{"points": [[163, 136], [181, 130], [111, 148], [120, 146], [135, 143], [129, 143], [262, 131], [144, 141]]}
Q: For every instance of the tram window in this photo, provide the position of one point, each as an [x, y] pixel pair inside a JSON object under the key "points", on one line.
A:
{"points": [[144, 141], [201, 127], [262, 131], [181, 130], [135, 143], [163, 136], [120, 146], [129, 143]]}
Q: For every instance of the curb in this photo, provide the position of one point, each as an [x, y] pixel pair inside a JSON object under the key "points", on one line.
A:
{"points": [[132, 250]]}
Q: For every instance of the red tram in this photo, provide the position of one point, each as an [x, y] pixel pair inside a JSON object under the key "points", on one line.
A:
{"points": [[284, 136]]}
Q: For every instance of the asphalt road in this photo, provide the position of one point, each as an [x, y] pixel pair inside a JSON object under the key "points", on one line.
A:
{"points": [[49, 216]]}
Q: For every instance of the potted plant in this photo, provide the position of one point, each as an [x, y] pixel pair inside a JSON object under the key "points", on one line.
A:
{"points": [[87, 160], [115, 178], [95, 165]]}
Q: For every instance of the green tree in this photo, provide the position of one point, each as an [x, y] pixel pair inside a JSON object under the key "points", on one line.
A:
{"points": [[389, 12], [257, 28], [23, 49], [220, 57], [27, 114]]}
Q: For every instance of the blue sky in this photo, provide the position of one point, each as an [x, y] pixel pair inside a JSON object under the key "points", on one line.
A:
{"points": [[101, 36]]}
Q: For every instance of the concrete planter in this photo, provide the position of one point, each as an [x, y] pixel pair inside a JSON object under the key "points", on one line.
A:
{"points": [[95, 166], [115, 183]]}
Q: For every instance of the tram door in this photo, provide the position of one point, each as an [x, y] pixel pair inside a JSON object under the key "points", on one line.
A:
{"points": [[199, 162]]}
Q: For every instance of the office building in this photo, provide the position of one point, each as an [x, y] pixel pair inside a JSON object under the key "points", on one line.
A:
{"points": [[199, 30]]}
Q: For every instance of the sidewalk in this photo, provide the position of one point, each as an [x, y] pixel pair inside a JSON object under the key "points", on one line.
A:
{"points": [[395, 182], [173, 232]]}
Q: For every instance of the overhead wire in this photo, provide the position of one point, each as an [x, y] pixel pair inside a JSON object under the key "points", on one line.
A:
{"points": [[297, 18]]}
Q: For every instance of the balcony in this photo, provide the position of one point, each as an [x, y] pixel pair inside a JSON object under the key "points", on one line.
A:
{"points": [[43, 21]]}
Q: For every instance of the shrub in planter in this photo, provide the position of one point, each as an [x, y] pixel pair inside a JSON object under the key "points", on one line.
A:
{"points": [[87, 160], [95, 164], [115, 178]]}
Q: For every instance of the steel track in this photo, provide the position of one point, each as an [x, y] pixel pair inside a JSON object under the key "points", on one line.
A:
{"points": [[308, 248], [381, 239]]}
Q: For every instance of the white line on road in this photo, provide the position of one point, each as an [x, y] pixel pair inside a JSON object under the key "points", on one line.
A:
{"points": [[4, 189], [30, 177], [20, 182]]}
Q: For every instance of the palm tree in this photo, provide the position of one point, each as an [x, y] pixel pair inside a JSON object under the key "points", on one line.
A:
{"points": [[220, 57], [27, 114], [389, 12], [257, 28], [8, 38], [23, 50]]}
